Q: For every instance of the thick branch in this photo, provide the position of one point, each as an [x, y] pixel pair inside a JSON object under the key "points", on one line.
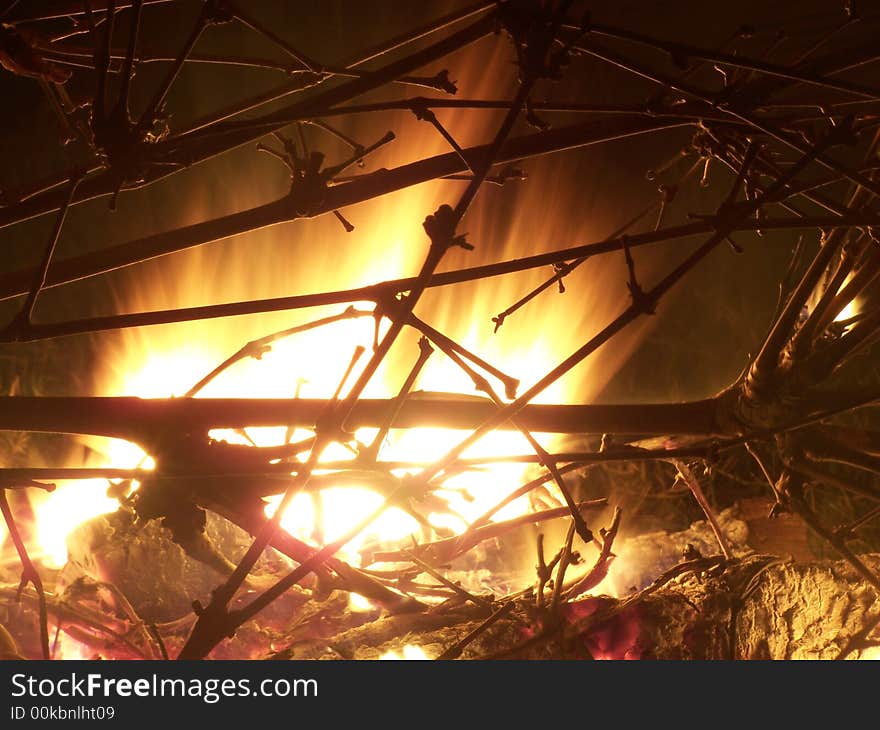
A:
{"points": [[50, 9], [364, 188], [189, 151], [138, 419]]}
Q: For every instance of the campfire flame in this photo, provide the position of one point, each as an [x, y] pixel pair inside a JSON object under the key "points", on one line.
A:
{"points": [[849, 311], [852, 308], [317, 255], [70, 505], [409, 652]]}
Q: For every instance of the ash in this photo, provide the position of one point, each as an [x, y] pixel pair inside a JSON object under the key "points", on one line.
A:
{"points": [[640, 559]]}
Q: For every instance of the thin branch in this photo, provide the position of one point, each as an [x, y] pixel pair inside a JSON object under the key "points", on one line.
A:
{"points": [[22, 321], [154, 108], [642, 305], [379, 292], [600, 568], [29, 573], [372, 451], [683, 52], [789, 485], [254, 24], [260, 346], [481, 601], [693, 484], [454, 651], [566, 558], [450, 548]]}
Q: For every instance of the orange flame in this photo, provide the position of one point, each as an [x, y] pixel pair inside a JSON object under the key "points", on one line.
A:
{"points": [[388, 243]]}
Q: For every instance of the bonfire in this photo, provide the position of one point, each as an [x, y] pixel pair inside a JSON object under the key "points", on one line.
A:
{"points": [[494, 330]]}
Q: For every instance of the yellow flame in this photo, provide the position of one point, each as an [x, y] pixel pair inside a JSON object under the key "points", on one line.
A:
{"points": [[852, 307], [343, 508], [359, 603], [850, 310], [388, 243], [68, 506], [409, 652], [470, 493]]}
